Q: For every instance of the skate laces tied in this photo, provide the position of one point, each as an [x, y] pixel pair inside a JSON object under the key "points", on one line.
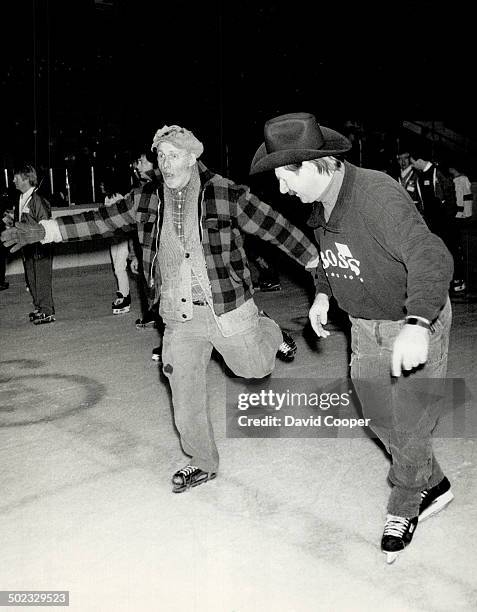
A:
{"points": [[396, 525]]}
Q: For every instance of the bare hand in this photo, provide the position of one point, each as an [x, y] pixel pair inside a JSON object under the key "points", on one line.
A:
{"points": [[134, 265], [410, 349], [318, 315]]}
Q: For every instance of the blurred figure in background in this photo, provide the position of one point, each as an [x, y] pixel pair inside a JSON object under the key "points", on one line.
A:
{"points": [[408, 178], [144, 166], [438, 196], [463, 192], [121, 250], [37, 258], [6, 220]]}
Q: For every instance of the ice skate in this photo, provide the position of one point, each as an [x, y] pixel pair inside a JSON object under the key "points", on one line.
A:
{"points": [[397, 534], [188, 477], [121, 304], [145, 322], [157, 354], [42, 318], [32, 315], [435, 499], [287, 349]]}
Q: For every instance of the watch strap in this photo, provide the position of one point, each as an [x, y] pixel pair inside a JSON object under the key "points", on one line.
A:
{"points": [[417, 321]]}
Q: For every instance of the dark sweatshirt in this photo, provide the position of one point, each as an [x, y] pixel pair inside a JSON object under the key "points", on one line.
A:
{"points": [[379, 259]]}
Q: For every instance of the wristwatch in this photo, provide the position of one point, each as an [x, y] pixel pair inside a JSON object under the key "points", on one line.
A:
{"points": [[416, 321]]}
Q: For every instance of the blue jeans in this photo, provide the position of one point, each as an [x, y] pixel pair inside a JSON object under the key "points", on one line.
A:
{"points": [[403, 411], [187, 347]]}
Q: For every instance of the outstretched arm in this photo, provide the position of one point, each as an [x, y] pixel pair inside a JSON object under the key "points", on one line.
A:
{"points": [[257, 218], [84, 226]]}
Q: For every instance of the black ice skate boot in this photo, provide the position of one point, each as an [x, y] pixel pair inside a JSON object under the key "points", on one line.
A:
{"points": [[190, 476], [121, 304], [287, 349], [435, 499], [157, 354], [42, 318], [32, 315], [397, 534]]}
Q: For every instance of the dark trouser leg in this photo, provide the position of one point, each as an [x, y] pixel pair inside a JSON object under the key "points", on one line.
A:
{"points": [[43, 279], [29, 268]]}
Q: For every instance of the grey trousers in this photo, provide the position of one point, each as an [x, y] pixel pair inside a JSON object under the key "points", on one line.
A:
{"points": [[404, 410], [187, 347]]}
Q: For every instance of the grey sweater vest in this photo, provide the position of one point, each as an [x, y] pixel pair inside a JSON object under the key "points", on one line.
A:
{"points": [[177, 263]]}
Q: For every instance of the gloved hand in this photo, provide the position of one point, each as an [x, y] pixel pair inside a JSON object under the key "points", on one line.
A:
{"points": [[318, 315], [410, 349], [22, 234]]}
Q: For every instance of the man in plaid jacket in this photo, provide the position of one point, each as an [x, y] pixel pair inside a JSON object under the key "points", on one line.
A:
{"points": [[190, 224]]}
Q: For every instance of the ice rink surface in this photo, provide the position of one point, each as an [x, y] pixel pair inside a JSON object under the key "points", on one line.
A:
{"points": [[88, 447]]}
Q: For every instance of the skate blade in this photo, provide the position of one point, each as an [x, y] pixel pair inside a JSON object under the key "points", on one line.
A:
{"points": [[43, 321], [391, 556], [438, 505], [121, 310], [145, 325]]}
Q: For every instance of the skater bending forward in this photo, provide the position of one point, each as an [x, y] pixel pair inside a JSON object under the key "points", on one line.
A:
{"points": [[190, 224], [391, 275]]}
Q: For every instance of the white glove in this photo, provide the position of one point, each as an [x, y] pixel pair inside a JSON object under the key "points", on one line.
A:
{"points": [[318, 315], [410, 349]]}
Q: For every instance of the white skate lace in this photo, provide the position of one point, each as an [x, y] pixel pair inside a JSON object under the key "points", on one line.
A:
{"points": [[284, 347], [395, 525], [187, 470]]}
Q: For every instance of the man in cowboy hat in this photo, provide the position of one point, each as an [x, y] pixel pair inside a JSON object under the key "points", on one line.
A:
{"points": [[391, 275], [190, 224]]}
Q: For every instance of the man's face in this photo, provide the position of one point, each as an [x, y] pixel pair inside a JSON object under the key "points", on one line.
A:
{"points": [[403, 161], [143, 165], [175, 165], [21, 183], [306, 183]]}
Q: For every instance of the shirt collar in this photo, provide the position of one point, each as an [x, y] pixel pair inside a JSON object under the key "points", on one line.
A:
{"points": [[330, 194], [24, 196]]}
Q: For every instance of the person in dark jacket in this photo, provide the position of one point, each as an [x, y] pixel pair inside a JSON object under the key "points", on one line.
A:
{"points": [[408, 177], [37, 258], [391, 275], [438, 196]]}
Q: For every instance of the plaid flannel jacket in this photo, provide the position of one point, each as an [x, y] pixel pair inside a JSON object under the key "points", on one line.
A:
{"points": [[225, 211]]}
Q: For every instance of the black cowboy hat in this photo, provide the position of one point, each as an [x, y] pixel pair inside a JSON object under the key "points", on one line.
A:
{"points": [[294, 138]]}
